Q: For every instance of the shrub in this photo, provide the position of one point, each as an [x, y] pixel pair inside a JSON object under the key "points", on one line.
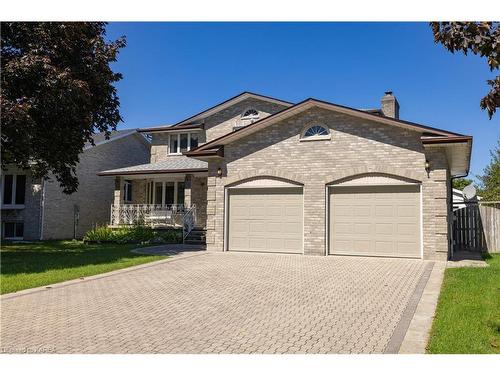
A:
{"points": [[132, 234], [99, 234]]}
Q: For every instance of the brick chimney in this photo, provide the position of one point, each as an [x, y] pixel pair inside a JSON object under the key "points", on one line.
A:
{"points": [[390, 105]]}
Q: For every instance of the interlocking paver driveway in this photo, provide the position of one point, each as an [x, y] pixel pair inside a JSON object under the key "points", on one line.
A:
{"points": [[220, 303]]}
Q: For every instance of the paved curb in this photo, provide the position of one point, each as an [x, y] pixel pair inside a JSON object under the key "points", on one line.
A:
{"points": [[84, 279], [417, 336], [398, 335]]}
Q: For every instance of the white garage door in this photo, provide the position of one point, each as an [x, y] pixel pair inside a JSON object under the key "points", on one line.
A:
{"points": [[375, 221], [265, 220]]}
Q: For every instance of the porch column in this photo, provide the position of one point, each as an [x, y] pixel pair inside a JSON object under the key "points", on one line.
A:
{"points": [[187, 190], [118, 198]]}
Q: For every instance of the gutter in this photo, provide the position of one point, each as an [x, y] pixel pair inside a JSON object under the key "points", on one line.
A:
{"points": [[170, 128], [216, 152], [441, 140]]}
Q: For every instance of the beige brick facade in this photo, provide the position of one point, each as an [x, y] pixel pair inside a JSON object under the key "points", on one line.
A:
{"points": [[216, 125], [226, 120], [95, 194], [356, 147]]}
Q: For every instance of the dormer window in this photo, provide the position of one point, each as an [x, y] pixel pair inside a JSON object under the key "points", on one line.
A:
{"points": [[182, 142], [315, 132], [250, 114]]}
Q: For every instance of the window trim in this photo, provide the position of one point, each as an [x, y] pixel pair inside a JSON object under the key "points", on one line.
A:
{"points": [[13, 192], [127, 186], [250, 117], [178, 135], [310, 138], [164, 191]]}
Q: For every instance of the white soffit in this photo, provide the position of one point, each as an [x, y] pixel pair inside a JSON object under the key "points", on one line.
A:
{"points": [[457, 155]]}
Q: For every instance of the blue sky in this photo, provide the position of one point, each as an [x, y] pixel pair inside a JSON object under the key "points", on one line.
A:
{"points": [[173, 70]]}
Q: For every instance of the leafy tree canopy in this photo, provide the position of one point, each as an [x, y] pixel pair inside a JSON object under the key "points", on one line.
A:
{"points": [[460, 183], [480, 38], [57, 89], [490, 180]]}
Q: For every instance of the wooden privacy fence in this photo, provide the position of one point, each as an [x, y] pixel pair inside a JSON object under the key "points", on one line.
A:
{"points": [[476, 227]]}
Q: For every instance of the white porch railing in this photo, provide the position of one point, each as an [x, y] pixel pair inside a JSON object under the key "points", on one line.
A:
{"points": [[148, 214], [188, 221]]}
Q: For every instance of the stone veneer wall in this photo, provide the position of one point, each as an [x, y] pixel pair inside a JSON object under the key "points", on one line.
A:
{"points": [[357, 146], [224, 121], [95, 193], [199, 198], [216, 125]]}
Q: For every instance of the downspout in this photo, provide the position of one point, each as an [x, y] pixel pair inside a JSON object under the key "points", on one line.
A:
{"points": [[42, 209]]}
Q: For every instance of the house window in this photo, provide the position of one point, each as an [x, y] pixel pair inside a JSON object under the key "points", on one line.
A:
{"points": [[182, 142], [315, 132], [127, 189], [180, 193], [250, 114], [13, 231], [13, 189], [168, 193], [193, 138], [158, 193]]}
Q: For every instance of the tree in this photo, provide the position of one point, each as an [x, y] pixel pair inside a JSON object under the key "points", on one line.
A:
{"points": [[480, 38], [490, 180], [57, 89], [460, 183]]}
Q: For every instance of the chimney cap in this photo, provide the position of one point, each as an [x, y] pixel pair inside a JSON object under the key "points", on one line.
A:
{"points": [[388, 92]]}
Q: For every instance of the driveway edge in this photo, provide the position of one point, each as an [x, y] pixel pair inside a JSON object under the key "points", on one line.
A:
{"points": [[417, 336], [84, 279]]}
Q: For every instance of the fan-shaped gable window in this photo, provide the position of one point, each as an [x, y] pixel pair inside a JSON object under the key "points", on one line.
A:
{"points": [[250, 114], [315, 132]]}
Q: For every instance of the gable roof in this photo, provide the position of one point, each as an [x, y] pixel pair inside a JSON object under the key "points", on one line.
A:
{"points": [[310, 103], [191, 121]]}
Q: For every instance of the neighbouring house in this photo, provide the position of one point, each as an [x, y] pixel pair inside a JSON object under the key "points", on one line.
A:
{"points": [[317, 178], [34, 209], [460, 201]]}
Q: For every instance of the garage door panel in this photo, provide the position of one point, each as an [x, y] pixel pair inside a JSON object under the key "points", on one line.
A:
{"points": [[362, 246], [362, 228], [375, 220], [384, 228], [361, 210], [257, 243], [406, 229], [274, 219], [343, 228], [387, 210], [240, 226]]}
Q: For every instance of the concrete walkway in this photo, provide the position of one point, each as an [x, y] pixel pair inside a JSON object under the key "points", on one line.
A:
{"points": [[224, 303]]}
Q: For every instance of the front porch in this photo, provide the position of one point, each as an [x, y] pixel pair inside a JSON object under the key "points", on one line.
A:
{"points": [[162, 201], [171, 193]]}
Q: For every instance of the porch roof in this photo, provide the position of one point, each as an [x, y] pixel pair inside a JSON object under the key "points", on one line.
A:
{"points": [[173, 164]]}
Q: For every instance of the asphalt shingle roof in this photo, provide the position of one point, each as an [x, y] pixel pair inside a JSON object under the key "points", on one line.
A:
{"points": [[171, 164]]}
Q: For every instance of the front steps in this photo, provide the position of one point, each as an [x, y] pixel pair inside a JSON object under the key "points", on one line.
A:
{"points": [[196, 237]]}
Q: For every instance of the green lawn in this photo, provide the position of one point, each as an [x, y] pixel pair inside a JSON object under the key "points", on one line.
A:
{"points": [[26, 265], [468, 313]]}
